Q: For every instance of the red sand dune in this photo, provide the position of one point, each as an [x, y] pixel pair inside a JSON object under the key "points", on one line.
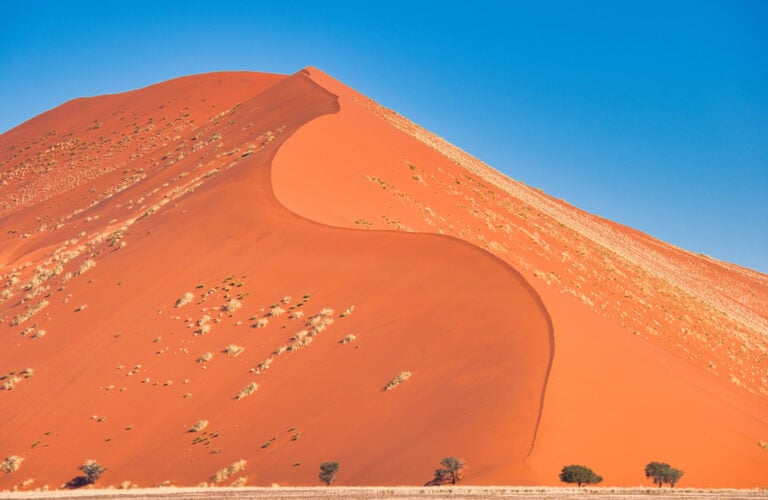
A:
{"points": [[536, 335]]}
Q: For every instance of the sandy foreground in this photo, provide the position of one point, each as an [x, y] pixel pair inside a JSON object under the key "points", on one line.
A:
{"points": [[403, 492]]}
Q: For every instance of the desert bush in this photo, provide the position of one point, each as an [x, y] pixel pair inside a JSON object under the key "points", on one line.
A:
{"points": [[401, 377], [185, 299], [349, 338], [11, 464], [247, 390], [296, 315], [92, 470], [450, 471], [579, 474], [205, 357], [328, 472]]}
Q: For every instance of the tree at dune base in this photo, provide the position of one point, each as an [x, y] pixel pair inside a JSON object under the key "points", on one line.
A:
{"points": [[328, 472], [579, 474], [450, 472], [663, 473]]}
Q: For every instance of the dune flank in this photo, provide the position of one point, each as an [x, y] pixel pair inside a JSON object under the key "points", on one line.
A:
{"points": [[230, 278], [174, 289]]}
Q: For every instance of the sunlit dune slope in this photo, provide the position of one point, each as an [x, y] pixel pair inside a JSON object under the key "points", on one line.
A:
{"points": [[660, 354], [165, 315]]}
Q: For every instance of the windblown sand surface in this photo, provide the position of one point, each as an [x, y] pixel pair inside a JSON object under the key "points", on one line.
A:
{"points": [[328, 246]]}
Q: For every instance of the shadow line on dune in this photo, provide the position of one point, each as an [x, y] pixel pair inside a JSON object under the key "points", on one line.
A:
{"points": [[515, 274]]}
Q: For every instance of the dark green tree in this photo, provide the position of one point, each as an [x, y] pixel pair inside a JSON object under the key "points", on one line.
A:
{"points": [[92, 470], [579, 474], [662, 473], [328, 472], [450, 471]]}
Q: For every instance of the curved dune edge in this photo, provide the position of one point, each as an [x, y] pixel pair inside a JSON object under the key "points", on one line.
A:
{"points": [[116, 376], [613, 401]]}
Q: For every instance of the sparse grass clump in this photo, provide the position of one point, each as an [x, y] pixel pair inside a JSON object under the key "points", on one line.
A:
{"points": [[185, 299], [347, 312], [231, 306], [401, 377], [276, 311], [233, 350], [204, 325], [10, 383], [240, 481], [26, 315], [85, 266], [260, 323], [247, 390], [224, 474], [296, 315], [200, 425], [205, 357], [11, 464]]}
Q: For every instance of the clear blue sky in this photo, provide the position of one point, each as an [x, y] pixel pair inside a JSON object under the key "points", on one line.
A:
{"points": [[652, 114]]}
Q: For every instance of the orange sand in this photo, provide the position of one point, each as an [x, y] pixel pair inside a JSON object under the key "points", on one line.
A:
{"points": [[169, 189]]}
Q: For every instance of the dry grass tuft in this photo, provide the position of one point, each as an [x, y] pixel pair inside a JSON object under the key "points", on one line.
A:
{"points": [[346, 340], [247, 390], [205, 357], [347, 312], [231, 306], [11, 464], [401, 377], [200, 425], [234, 350], [185, 299], [276, 311], [224, 474]]}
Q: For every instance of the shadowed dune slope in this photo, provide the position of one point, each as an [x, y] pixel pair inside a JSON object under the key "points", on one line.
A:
{"points": [[153, 284], [661, 354]]}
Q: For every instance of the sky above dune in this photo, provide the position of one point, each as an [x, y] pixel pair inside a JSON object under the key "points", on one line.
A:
{"points": [[652, 114]]}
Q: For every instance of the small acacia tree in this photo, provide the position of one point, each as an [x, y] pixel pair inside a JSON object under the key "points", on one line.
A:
{"points": [[579, 474], [662, 473], [450, 471], [328, 472], [92, 470]]}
